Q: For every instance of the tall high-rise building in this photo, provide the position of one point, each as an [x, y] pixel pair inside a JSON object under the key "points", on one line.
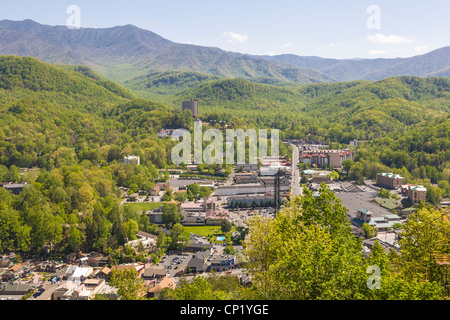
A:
{"points": [[190, 105]]}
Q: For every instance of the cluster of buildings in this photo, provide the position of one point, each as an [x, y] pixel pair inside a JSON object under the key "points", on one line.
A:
{"points": [[84, 276], [326, 158], [383, 223], [253, 181], [414, 193], [199, 212]]}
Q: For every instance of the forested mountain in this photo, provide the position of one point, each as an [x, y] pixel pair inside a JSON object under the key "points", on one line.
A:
{"points": [[432, 64], [46, 110], [362, 109], [68, 129], [126, 52]]}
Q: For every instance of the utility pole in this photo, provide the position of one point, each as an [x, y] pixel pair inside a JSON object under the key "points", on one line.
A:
{"points": [[277, 191]]}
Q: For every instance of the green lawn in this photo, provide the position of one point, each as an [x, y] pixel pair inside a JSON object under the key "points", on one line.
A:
{"points": [[204, 231], [144, 206], [211, 231]]}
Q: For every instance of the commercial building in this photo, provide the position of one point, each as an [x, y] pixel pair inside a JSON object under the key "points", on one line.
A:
{"points": [[389, 180], [326, 157], [417, 193], [190, 105], [222, 262]]}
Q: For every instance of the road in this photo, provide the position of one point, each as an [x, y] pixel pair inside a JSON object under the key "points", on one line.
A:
{"points": [[296, 189]]}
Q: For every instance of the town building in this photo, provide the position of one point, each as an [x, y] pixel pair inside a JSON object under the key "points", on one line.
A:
{"points": [[190, 105], [132, 160], [222, 262], [198, 262], [417, 193], [389, 180], [155, 286], [14, 188], [251, 177], [322, 158]]}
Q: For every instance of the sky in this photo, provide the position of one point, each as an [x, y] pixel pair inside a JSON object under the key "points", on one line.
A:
{"points": [[340, 29]]}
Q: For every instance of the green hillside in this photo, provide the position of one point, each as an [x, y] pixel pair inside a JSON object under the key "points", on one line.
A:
{"points": [[47, 110]]}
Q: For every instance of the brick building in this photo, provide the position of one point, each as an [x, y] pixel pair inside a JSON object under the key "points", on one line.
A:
{"points": [[389, 180]]}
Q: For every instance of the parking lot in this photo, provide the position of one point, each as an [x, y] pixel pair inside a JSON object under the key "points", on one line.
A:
{"points": [[175, 262], [355, 200]]}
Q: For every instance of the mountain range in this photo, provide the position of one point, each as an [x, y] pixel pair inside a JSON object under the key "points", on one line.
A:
{"points": [[128, 54]]}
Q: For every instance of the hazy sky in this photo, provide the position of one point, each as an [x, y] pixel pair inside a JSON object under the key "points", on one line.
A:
{"points": [[326, 28]]}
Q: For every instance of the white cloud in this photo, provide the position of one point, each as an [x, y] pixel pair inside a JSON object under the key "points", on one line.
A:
{"points": [[421, 49], [271, 54], [235, 37], [381, 38], [334, 45], [287, 45], [377, 52]]}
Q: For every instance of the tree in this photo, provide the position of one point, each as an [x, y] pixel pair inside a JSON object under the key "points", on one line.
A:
{"points": [[201, 288], [129, 285], [434, 194], [420, 241], [225, 225], [369, 231], [170, 213], [180, 238], [229, 250], [347, 166]]}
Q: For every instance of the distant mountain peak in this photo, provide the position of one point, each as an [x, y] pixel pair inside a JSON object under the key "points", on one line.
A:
{"points": [[127, 52]]}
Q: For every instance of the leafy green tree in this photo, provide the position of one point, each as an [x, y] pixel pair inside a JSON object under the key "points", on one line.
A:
{"points": [[170, 213], [369, 231], [129, 285], [180, 237], [225, 225]]}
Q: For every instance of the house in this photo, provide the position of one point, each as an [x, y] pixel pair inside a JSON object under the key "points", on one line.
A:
{"points": [[151, 273], [155, 216], [155, 287], [158, 188], [390, 204], [104, 273], [364, 215], [95, 260], [146, 239], [15, 289], [139, 267], [196, 245], [321, 176], [198, 262], [90, 288], [132, 160], [15, 188]]}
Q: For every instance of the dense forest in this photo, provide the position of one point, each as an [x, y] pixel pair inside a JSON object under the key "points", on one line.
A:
{"points": [[64, 130], [308, 252]]}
